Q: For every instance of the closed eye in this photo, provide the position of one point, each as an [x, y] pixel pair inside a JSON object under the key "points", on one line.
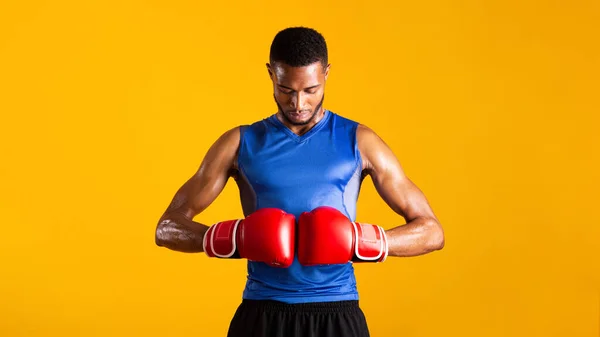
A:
{"points": [[310, 90]]}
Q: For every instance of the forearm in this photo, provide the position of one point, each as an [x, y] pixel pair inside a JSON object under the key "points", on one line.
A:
{"points": [[418, 237], [177, 232]]}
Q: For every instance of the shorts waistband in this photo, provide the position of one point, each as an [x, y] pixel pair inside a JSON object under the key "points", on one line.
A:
{"points": [[311, 307]]}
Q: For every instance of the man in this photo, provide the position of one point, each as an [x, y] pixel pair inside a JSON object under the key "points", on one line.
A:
{"points": [[299, 173]]}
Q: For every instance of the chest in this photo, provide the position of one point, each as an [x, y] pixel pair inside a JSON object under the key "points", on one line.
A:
{"points": [[274, 162]]}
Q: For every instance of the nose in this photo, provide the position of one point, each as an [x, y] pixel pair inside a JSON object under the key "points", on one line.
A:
{"points": [[298, 101]]}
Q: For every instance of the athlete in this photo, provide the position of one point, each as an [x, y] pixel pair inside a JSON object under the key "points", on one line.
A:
{"points": [[299, 172]]}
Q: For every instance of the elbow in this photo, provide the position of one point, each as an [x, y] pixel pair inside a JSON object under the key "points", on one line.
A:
{"points": [[440, 243], [160, 237], [159, 241], [437, 239]]}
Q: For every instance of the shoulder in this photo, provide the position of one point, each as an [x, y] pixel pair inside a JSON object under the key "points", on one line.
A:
{"points": [[224, 150], [231, 136], [365, 133], [367, 139], [373, 149]]}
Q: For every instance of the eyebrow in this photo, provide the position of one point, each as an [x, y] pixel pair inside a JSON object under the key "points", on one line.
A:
{"points": [[312, 87]]}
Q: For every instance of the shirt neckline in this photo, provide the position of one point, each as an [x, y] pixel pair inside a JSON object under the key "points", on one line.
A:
{"points": [[300, 138]]}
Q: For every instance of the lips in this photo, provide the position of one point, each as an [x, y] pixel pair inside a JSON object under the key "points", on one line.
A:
{"points": [[299, 115]]}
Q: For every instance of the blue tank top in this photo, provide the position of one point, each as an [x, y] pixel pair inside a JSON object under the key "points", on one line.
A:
{"points": [[280, 169]]}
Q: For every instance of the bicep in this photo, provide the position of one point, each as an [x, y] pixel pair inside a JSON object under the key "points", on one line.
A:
{"points": [[401, 194], [200, 190], [390, 180]]}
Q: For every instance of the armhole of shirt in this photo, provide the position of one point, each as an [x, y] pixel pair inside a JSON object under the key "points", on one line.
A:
{"points": [[241, 146], [359, 161], [242, 175]]}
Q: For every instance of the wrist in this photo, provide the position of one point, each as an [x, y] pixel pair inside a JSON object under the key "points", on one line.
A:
{"points": [[220, 240], [371, 244]]}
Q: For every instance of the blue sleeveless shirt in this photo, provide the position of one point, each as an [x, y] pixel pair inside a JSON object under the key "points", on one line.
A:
{"points": [[280, 169]]}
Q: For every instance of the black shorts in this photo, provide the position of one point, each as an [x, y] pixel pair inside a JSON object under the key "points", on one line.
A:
{"points": [[274, 319]]}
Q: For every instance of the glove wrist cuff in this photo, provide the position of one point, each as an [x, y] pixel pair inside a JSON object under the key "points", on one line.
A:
{"points": [[371, 243], [220, 240]]}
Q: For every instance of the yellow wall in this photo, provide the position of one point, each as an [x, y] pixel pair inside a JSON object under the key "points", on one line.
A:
{"points": [[107, 107]]}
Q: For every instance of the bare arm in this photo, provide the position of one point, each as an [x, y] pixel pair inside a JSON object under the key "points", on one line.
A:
{"points": [[422, 232], [176, 230]]}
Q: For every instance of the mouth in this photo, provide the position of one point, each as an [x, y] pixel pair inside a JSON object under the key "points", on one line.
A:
{"points": [[299, 114]]}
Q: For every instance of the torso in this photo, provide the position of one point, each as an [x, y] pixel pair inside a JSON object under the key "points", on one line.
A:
{"points": [[278, 168]]}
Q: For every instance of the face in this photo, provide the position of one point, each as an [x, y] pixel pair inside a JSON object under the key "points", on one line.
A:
{"points": [[298, 91]]}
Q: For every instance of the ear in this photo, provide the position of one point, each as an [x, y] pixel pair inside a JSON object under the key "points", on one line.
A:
{"points": [[269, 70], [327, 71]]}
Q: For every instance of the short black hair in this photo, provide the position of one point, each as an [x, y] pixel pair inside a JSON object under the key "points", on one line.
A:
{"points": [[299, 47]]}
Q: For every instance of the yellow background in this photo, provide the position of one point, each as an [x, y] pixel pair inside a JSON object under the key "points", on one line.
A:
{"points": [[107, 107]]}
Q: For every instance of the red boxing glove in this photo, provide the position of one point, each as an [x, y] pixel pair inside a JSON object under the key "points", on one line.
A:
{"points": [[326, 236], [266, 235]]}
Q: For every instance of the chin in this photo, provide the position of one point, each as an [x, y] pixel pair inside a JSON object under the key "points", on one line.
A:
{"points": [[295, 120], [299, 122]]}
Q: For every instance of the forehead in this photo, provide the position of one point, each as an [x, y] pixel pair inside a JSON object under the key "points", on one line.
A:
{"points": [[299, 75]]}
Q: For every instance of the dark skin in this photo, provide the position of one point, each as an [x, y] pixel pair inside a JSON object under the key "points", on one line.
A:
{"points": [[298, 93]]}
